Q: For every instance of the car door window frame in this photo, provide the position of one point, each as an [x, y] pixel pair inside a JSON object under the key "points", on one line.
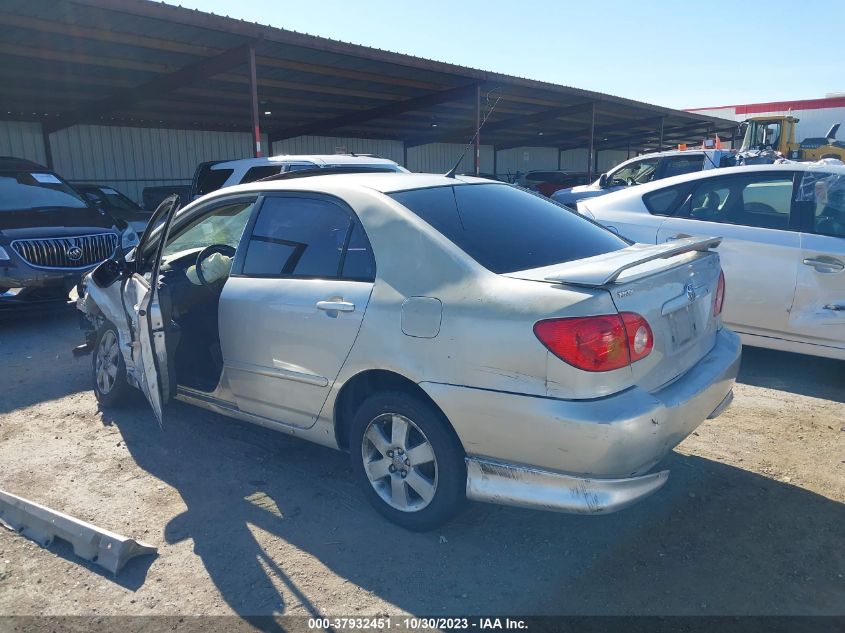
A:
{"points": [[152, 244], [666, 160], [795, 214], [240, 254]]}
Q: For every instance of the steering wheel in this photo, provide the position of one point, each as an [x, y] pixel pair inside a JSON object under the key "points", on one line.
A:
{"points": [[223, 249]]}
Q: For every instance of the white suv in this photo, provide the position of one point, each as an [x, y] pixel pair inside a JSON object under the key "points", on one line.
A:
{"points": [[213, 175]]}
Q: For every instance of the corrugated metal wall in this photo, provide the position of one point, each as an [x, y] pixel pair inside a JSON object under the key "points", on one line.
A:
{"points": [[339, 144], [509, 162], [576, 159], [130, 158], [439, 158], [22, 140]]}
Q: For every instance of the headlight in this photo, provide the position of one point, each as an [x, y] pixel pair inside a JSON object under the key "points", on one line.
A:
{"points": [[4, 256], [129, 239]]}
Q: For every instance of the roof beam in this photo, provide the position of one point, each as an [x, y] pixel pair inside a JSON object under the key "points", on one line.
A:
{"points": [[669, 133], [380, 112], [156, 87], [555, 140], [510, 122]]}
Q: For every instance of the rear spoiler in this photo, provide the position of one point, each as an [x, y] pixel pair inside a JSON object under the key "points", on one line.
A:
{"points": [[605, 269]]}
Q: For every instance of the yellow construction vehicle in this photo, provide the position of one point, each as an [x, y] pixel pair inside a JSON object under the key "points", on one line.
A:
{"points": [[776, 134]]}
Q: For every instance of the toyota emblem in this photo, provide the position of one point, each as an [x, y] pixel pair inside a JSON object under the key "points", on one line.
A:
{"points": [[74, 253], [690, 290]]}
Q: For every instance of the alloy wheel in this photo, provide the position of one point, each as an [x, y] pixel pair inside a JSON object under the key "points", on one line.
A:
{"points": [[400, 463]]}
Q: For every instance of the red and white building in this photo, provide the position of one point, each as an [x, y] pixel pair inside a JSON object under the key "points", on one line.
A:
{"points": [[815, 115]]}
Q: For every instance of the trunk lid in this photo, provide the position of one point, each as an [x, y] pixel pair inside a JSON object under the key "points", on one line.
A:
{"points": [[671, 285]]}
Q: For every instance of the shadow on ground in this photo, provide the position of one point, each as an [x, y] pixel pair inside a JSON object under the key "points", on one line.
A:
{"points": [[715, 540], [796, 373]]}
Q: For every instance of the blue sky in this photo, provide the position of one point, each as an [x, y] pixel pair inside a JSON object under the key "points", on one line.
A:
{"points": [[679, 54]]}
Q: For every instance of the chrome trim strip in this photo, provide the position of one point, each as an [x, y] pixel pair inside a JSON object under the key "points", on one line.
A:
{"points": [[277, 372], [34, 244]]}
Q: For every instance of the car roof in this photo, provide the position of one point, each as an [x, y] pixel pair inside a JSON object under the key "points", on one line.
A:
{"points": [[383, 182], [318, 159], [640, 190]]}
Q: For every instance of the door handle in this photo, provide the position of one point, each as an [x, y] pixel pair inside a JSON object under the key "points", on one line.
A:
{"points": [[336, 306], [835, 307], [679, 236], [824, 264]]}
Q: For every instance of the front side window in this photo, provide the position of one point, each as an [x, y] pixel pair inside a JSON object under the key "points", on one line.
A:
{"points": [[506, 229], [223, 226], [303, 237], [21, 190], [759, 200], [635, 173]]}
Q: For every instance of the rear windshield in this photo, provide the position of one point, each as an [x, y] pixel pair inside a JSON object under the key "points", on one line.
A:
{"points": [[33, 190], [506, 229]]}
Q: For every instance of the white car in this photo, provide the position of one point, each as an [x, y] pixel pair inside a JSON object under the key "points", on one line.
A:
{"points": [[783, 247], [217, 174]]}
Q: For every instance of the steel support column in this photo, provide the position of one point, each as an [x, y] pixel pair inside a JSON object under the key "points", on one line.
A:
{"points": [[477, 130], [660, 141], [48, 150], [253, 92], [592, 142]]}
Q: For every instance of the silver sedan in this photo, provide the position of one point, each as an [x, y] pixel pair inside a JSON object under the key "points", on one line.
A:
{"points": [[460, 338]]}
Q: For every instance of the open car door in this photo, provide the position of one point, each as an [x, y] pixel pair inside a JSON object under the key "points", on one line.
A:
{"points": [[148, 320]]}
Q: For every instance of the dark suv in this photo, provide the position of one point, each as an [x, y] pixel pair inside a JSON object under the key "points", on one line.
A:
{"points": [[49, 235]]}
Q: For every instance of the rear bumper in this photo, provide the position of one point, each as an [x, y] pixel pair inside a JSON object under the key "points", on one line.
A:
{"points": [[619, 437], [512, 485]]}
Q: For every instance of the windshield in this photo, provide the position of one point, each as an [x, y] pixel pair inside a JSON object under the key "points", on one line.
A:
{"points": [[760, 135], [506, 229], [33, 190], [115, 200], [635, 173]]}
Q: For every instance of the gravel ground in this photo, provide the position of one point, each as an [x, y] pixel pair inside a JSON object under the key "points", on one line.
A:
{"points": [[250, 522]]}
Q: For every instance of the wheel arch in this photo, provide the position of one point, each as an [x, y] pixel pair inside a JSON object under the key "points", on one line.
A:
{"points": [[366, 383]]}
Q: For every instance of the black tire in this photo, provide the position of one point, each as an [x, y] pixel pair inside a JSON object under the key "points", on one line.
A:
{"points": [[118, 392], [448, 466]]}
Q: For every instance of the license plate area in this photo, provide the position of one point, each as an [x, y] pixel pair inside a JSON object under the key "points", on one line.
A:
{"points": [[682, 326]]}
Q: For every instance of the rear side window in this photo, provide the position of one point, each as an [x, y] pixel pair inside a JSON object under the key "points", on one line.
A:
{"points": [[506, 229], [677, 165], [759, 199], [664, 201], [257, 173], [210, 179]]}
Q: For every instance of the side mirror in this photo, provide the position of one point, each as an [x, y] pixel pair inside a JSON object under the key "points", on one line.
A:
{"points": [[603, 181]]}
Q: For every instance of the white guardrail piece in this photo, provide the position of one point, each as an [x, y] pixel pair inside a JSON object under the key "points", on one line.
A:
{"points": [[94, 544]]}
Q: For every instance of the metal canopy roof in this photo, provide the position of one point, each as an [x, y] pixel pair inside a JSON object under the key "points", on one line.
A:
{"points": [[140, 63]]}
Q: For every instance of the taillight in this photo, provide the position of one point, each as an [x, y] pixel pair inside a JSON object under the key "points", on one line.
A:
{"points": [[640, 338], [597, 343], [719, 297]]}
